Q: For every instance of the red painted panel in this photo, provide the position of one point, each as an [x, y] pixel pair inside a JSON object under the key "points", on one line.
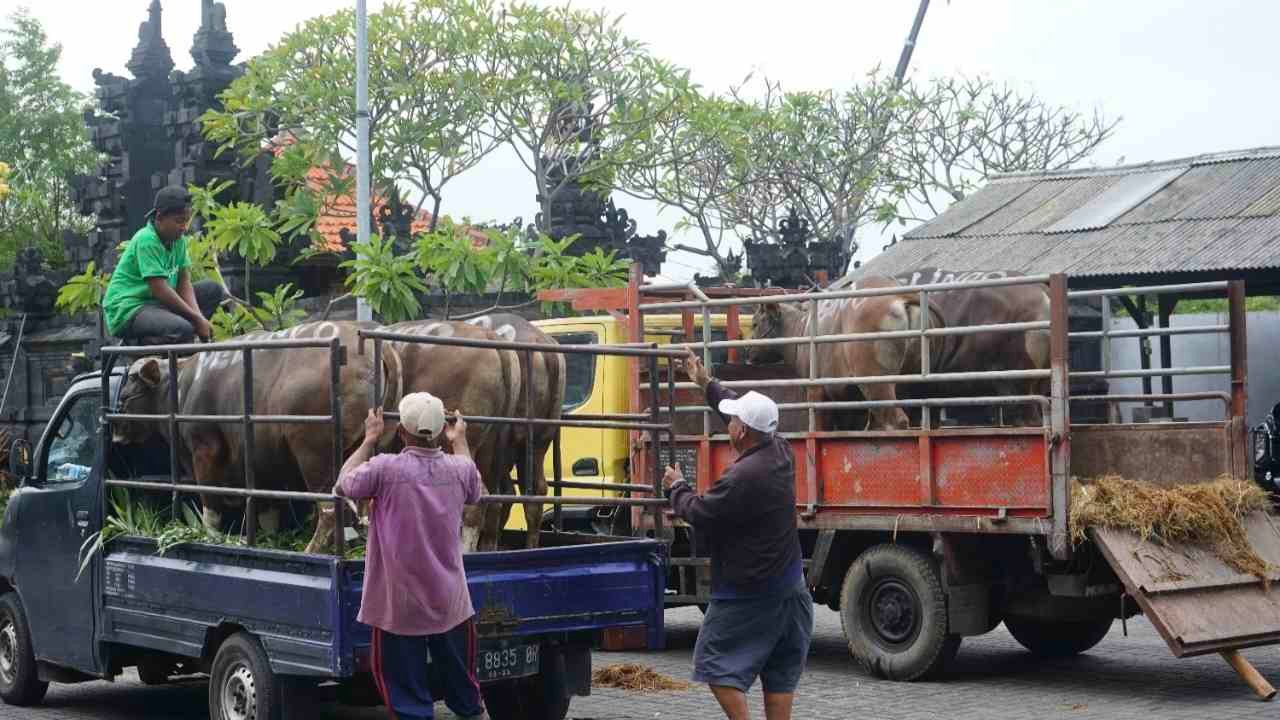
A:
{"points": [[871, 472], [997, 471]]}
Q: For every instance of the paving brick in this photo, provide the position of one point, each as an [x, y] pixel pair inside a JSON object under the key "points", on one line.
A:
{"points": [[1123, 678]]}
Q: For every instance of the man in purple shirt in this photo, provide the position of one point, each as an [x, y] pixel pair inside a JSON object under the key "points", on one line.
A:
{"points": [[415, 593]]}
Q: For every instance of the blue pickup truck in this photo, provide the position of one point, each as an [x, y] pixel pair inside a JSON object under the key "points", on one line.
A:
{"points": [[270, 627]]}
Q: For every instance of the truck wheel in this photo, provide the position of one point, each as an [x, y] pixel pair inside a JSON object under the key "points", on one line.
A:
{"points": [[241, 684], [523, 700], [894, 614], [1056, 639], [20, 682]]}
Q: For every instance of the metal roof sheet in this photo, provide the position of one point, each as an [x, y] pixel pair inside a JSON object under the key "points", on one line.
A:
{"points": [[1078, 192], [1116, 200], [1181, 193], [972, 209], [1000, 220], [1230, 199]]}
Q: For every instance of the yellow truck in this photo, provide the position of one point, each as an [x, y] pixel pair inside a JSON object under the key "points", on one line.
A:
{"points": [[598, 385]]}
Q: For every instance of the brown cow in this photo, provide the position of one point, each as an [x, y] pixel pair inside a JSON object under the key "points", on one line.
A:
{"points": [[547, 376], [474, 381], [293, 381], [901, 356]]}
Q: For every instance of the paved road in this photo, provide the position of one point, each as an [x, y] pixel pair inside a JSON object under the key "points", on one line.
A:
{"points": [[1126, 678]]}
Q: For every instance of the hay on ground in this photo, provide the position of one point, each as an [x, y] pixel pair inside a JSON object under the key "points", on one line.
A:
{"points": [[636, 678], [1207, 514]]}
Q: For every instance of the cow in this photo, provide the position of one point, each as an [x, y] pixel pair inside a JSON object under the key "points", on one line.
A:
{"points": [[289, 381], [1023, 350], [474, 381], [547, 375]]}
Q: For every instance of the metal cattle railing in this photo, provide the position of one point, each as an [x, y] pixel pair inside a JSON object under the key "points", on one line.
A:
{"points": [[654, 426], [1054, 421], [247, 419], [1233, 327]]}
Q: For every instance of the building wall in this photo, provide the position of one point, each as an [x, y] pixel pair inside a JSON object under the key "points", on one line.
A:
{"points": [[1263, 385]]}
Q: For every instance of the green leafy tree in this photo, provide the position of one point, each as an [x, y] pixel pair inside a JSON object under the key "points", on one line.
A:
{"points": [[42, 142], [573, 95], [430, 118], [278, 309], [388, 282], [83, 292]]}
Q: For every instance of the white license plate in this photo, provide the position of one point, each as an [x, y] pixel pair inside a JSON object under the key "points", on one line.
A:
{"points": [[500, 663]]}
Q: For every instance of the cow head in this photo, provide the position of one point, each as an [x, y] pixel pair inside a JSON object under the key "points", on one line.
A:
{"points": [[766, 322], [145, 392]]}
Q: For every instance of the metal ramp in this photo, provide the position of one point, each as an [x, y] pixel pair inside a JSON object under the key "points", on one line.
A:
{"points": [[1196, 601]]}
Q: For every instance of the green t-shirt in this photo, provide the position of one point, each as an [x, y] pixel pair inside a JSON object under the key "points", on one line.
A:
{"points": [[144, 257]]}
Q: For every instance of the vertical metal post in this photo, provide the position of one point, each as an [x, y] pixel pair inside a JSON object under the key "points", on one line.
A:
{"points": [[671, 408], [335, 411], [246, 439], [557, 472], [1113, 411], [654, 440], [1060, 431], [706, 362], [526, 370], [813, 360], [732, 330], [363, 311], [926, 356], [811, 442], [376, 389], [1242, 459], [174, 470], [1164, 307]]}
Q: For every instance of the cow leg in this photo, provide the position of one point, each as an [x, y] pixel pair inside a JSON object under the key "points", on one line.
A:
{"points": [[211, 518], [884, 418], [325, 525], [269, 519], [533, 511], [472, 524], [824, 419]]}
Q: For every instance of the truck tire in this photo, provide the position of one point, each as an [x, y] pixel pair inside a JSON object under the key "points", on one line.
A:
{"points": [[1057, 639], [241, 684], [523, 699], [894, 614], [20, 682]]}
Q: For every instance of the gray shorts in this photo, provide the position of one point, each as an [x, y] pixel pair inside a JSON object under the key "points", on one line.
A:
{"points": [[768, 638]]}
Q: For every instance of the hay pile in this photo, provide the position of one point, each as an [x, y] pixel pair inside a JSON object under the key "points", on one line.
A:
{"points": [[1207, 514], [636, 678]]}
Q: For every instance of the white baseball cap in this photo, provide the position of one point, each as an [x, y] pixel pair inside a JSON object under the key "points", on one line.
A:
{"points": [[755, 410], [422, 414]]}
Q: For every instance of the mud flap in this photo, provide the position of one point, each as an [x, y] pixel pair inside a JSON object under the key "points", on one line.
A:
{"points": [[1197, 602]]}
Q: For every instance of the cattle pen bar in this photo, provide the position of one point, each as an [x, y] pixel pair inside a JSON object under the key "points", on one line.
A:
{"points": [[631, 421], [1055, 424], [246, 420]]}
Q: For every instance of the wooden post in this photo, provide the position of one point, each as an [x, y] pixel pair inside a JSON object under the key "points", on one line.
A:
{"points": [[1249, 674]]}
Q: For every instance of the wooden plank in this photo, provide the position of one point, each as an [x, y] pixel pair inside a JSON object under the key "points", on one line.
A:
{"points": [[1197, 602]]}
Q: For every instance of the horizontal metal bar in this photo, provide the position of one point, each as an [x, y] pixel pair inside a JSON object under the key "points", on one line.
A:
{"points": [[283, 343], [1224, 397], [869, 336], [573, 500], [1203, 370], [586, 485], [219, 490], [881, 379], [1150, 289], [930, 402], [506, 345], [546, 422], [664, 287], [864, 292], [1143, 332], [267, 419]]}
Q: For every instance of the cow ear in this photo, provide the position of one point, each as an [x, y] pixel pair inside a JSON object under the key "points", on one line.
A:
{"points": [[150, 372], [769, 309]]}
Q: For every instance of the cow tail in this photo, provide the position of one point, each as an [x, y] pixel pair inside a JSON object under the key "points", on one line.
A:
{"points": [[513, 381], [392, 377]]}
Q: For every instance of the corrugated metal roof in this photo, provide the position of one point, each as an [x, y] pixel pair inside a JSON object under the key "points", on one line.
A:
{"points": [[1210, 212]]}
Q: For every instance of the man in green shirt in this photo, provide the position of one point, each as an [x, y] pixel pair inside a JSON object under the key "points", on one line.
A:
{"points": [[151, 299]]}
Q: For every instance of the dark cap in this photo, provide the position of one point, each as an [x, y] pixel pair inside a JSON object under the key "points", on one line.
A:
{"points": [[172, 197]]}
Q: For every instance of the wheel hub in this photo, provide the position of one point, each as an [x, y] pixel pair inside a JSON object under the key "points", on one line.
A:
{"points": [[239, 694], [894, 611], [8, 652]]}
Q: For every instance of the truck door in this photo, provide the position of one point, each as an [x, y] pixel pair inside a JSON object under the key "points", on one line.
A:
{"points": [[59, 510], [581, 449]]}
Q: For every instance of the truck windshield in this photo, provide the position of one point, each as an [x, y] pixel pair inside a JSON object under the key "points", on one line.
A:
{"points": [[74, 442], [579, 370]]}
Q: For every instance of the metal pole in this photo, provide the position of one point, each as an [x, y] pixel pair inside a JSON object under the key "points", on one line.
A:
{"points": [[706, 361], [246, 438], [528, 483], [654, 440], [173, 431], [363, 311], [17, 345], [556, 471], [335, 409]]}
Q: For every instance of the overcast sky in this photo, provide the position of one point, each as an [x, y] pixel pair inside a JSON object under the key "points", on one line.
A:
{"points": [[1186, 77]]}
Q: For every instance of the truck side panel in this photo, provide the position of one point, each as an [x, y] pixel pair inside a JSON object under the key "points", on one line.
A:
{"points": [[171, 602]]}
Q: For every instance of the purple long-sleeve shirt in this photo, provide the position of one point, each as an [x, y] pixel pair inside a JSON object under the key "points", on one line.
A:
{"points": [[413, 579]]}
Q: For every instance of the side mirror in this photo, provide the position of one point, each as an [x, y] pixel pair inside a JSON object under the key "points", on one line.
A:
{"points": [[20, 459]]}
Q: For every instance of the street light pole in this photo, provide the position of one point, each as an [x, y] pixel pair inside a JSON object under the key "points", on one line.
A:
{"points": [[363, 311]]}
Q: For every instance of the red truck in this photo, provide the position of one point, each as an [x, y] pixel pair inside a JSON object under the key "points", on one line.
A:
{"points": [[923, 536]]}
